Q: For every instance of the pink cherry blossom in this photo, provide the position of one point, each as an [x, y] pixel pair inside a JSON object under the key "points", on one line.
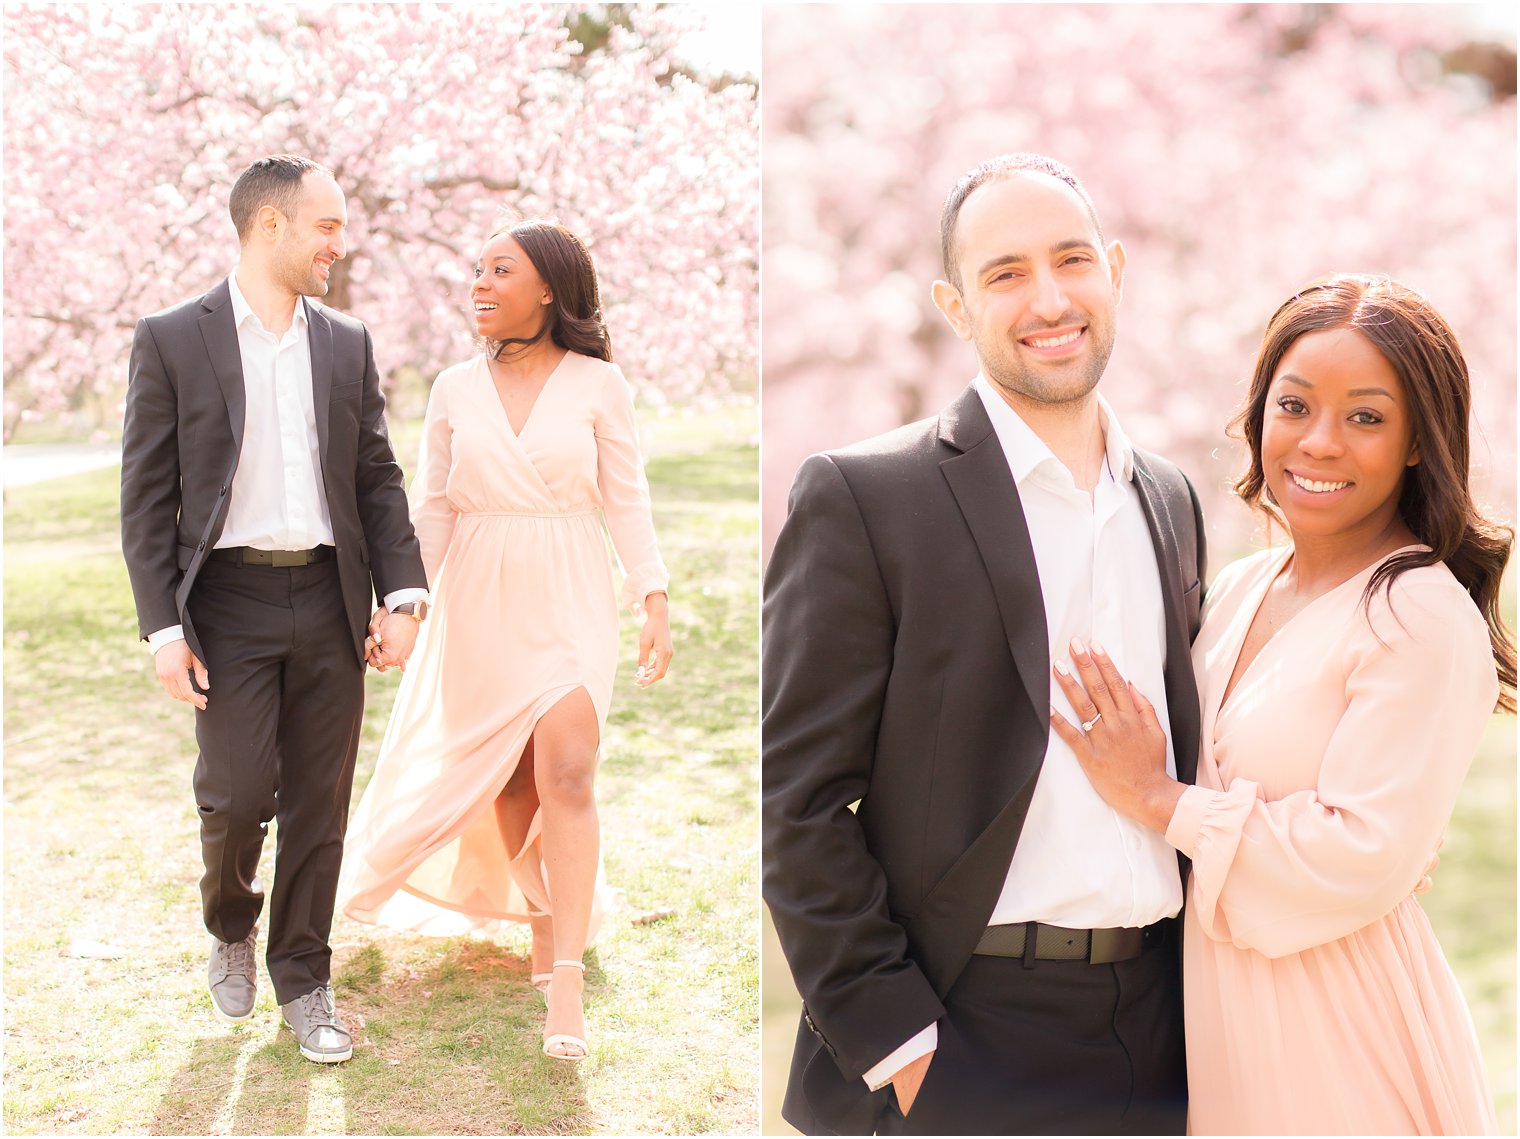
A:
{"points": [[126, 125], [1237, 151]]}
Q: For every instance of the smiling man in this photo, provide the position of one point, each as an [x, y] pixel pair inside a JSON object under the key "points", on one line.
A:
{"points": [[983, 946], [261, 513]]}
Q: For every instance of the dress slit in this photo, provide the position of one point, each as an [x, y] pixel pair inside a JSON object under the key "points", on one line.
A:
{"points": [[526, 603]]}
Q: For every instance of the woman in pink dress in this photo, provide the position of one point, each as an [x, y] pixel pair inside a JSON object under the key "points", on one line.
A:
{"points": [[1346, 680], [481, 810]]}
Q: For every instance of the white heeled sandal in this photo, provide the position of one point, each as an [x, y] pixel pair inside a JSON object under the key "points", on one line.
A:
{"points": [[565, 1040]]}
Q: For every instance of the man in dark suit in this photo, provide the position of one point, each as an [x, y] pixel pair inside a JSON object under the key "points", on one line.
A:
{"points": [[981, 944], [261, 512]]}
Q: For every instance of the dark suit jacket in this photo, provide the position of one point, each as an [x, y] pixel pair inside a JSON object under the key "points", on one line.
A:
{"points": [[905, 665], [183, 436]]}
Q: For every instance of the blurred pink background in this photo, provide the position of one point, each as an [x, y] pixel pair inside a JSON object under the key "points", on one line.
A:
{"points": [[1237, 151]]}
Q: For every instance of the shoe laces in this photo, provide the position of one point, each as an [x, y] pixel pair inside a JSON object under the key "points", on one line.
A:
{"points": [[319, 1008], [237, 956]]}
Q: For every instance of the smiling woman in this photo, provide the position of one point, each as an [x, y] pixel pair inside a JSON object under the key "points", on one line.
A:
{"points": [[481, 810], [1337, 438], [1308, 963]]}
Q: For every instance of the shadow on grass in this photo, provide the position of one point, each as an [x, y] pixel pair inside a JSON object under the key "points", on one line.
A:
{"points": [[446, 1042], [232, 1082], [449, 1041]]}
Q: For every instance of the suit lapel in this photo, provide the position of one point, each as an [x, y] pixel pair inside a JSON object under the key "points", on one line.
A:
{"points": [[984, 489], [1181, 694], [219, 332], [320, 339]]}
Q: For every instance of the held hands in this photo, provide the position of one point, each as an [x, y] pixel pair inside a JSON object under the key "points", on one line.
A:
{"points": [[655, 649], [391, 640], [174, 663], [1120, 745]]}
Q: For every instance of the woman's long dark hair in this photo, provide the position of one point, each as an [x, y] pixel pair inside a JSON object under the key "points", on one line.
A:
{"points": [[574, 320], [1435, 502]]}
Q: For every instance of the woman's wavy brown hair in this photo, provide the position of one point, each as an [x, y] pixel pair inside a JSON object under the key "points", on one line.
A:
{"points": [[574, 321], [1435, 500]]}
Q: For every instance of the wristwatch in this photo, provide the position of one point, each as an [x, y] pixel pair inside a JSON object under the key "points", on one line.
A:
{"points": [[416, 610]]}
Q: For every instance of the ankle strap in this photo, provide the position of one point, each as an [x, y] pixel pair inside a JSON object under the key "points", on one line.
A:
{"points": [[581, 965]]}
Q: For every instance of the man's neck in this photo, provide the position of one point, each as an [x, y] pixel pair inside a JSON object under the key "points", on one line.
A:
{"points": [[1073, 432], [274, 305]]}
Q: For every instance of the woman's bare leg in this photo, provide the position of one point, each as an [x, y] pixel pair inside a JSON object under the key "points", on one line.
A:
{"points": [[565, 759]]}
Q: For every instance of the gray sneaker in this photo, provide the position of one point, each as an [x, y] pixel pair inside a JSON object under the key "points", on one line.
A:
{"points": [[233, 977], [318, 1028]]}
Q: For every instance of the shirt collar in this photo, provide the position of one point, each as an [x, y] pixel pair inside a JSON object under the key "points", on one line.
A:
{"points": [[242, 310], [1026, 450]]}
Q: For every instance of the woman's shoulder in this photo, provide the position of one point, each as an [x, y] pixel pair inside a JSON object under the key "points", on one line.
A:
{"points": [[464, 367], [594, 366], [1244, 572], [452, 376], [1427, 603]]}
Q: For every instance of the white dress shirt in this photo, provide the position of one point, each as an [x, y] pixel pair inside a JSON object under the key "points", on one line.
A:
{"points": [[1079, 863], [277, 500]]}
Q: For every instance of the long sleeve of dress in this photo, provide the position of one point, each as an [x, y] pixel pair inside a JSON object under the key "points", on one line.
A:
{"points": [[625, 493], [1418, 685], [433, 516]]}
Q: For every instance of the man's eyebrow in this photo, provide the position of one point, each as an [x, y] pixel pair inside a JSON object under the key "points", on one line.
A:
{"points": [[1012, 258]]}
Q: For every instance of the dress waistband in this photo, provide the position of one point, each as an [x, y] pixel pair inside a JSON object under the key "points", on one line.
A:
{"points": [[591, 512]]}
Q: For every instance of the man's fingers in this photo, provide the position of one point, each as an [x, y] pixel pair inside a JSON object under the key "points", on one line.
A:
{"points": [[187, 691], [202, 677]]}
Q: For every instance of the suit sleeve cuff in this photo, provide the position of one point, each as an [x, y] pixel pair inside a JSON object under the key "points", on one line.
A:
{"points": [[402, 596], [164, 637], [921, 1044]]}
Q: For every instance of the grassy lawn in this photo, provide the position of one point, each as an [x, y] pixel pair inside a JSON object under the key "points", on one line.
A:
{"points": [[108, 1027], [1472, 908]]}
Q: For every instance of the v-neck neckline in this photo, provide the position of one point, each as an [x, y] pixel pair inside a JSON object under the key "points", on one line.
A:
{"points": [[517, 432], [1244, 628]]}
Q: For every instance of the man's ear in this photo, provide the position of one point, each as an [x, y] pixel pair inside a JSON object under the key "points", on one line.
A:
{"points": [[1115, 253], [947, 298], [267, 223]]}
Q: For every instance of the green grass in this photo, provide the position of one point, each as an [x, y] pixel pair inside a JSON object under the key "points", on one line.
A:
{"points": [[101, 846]]}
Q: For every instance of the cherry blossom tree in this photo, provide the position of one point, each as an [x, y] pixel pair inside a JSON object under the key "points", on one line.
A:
{"points": [[1237, 151], [125, 126]]}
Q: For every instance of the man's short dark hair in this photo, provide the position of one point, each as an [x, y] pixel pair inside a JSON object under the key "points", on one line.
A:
{"points": [[1002, 166], [272, 181]]}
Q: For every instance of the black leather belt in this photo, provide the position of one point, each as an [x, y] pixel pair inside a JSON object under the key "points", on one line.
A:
{"points": [[1056, 943], [248, 556]]}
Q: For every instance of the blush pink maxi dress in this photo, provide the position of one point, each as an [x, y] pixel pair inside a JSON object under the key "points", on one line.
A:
{"points": [[1317, 1000], [524, 612]]}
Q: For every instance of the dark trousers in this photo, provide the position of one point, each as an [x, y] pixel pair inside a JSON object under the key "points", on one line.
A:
{"points": [[1062, 1048], [278, 739]]}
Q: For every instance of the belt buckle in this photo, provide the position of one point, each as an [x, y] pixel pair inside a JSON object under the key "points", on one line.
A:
{"points": [[1110, 945], [287, 558]]}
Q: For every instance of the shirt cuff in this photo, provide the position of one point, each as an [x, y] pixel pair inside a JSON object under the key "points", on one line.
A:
{"points": [[164, 637], [402, 596], [922, 1044]]}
